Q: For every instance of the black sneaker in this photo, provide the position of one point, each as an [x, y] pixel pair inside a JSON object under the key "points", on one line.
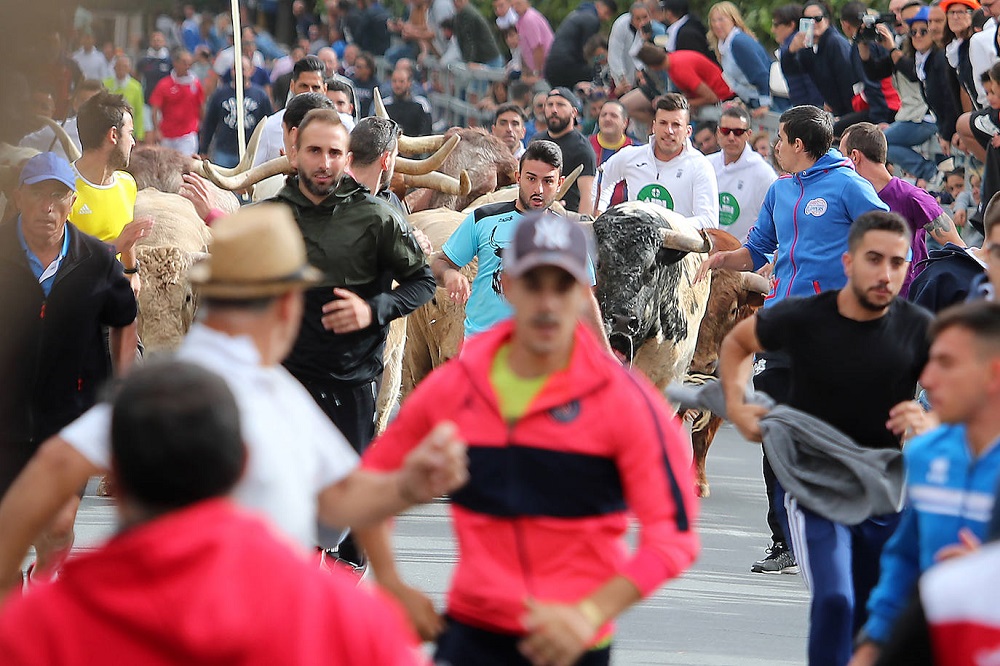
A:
{"points": [[779, 559]]}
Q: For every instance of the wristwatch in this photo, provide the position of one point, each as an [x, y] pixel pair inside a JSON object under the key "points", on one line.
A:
{"points": [[132, 271]]}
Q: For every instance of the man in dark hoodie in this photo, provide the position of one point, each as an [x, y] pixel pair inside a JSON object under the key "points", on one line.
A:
{"points": [[566, 64]]}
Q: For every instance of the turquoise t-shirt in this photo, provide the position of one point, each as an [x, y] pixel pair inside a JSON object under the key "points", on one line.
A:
{"points": [[483, 235]]}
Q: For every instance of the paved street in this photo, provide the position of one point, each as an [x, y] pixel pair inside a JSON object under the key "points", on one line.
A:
{"points": [[718, 614]]}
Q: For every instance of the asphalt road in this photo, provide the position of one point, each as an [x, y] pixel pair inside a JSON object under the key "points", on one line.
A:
{"points": [[717, 614]]}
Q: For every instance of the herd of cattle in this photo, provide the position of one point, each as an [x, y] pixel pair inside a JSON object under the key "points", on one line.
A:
{"points": [[657, 318]]}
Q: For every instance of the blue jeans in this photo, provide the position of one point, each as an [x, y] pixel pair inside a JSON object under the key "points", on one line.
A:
{"points": [[840, 566], [901, 137]]}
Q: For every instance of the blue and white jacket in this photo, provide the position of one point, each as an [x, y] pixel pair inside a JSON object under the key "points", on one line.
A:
{"points": [[947, 489], [807, 215]]}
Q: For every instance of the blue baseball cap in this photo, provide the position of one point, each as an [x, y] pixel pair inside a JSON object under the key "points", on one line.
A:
{"points": [[48, 166], [923, 14]]}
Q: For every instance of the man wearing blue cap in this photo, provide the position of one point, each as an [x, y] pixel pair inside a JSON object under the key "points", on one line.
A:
{"points": [[58, 288]]}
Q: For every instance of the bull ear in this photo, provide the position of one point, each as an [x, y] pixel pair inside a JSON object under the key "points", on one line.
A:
{"points": [[194, 257]]}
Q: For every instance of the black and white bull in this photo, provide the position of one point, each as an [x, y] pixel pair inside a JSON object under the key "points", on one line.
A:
{"points": [[652, 308]]}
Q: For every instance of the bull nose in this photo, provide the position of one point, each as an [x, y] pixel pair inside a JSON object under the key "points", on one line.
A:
{"points": [[624, 322]]}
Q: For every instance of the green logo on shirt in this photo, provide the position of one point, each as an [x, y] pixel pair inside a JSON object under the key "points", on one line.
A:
{"points": [[729, 209], [657, 194]]}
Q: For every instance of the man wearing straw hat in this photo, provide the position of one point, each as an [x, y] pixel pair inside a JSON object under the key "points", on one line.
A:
{"points": [[299, 467]]}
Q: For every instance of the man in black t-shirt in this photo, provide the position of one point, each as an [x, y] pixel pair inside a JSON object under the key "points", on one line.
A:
{"points": [[561, 110], [855, 355]]}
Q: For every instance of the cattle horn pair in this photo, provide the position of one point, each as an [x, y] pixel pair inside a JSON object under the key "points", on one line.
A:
{"points": [[686, 241], [243, 181], [432, 163], [441, 182], [409, 145], [755, 282], [72, 152], [245, 163]]}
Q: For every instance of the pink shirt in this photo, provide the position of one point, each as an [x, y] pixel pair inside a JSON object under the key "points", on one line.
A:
{"points": [[533, 30]]}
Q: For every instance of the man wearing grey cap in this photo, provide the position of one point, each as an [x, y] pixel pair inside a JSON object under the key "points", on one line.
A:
{"points": [[551, 477], [59, 288]]}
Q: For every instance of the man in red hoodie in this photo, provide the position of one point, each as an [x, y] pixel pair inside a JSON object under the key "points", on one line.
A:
{"points": [[190, 578], [542, 568]]}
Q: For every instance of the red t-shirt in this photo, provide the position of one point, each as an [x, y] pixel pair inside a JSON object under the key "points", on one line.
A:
{"points": [[180, 105], [687, 69]]}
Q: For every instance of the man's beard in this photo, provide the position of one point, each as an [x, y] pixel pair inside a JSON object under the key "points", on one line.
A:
{"points": [[386, 179], [526, 203], [556, 124], [316, 189], [118, 160], [863, 301]]}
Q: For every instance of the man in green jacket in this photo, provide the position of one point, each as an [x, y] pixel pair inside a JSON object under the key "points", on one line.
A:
{"points": [[123, 84]]}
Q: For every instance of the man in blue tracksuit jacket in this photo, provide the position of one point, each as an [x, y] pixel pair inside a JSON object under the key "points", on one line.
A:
{"points": [[952, 472], [804, 222]]}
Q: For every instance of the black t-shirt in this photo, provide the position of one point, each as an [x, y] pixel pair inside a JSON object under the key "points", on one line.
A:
{"points": [[576, 150], [848, 373]]}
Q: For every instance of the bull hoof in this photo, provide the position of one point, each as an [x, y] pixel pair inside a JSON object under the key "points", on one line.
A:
{"points": [[703, 490]]}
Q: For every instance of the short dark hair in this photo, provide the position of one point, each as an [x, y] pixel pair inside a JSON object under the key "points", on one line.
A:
{"points": [[518, 90], [89, 85], [785, 14], [372, 137], [302, 104], [812, 125], [851, 13], [876, 220], [610, 4], [594, 44], [671, 102], [509, 107], [868, 140], [981, 318], [709, 125], [676, 7], [991, 214], [737, 111], [337, 83], [310, 63], [99, 114], [822, 4], [651, 55], [327, 116], [542, 150], [175, 436]]}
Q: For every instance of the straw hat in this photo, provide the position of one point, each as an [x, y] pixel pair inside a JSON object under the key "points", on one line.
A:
{"points": [[255, 253]]}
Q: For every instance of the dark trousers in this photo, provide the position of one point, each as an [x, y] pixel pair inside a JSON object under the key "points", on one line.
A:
{"points": [[352, 410], [465, 645], [773, 380], [840, 566]]}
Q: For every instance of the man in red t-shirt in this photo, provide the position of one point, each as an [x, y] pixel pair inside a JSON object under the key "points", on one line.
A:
{"points": [[697, 77], [177, 102]]}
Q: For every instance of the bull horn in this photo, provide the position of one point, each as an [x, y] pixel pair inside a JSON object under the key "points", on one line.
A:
{"points": [[432, 163], [243, 181], [441, 182], [245, 163], [379, 105], [568, 182], [72, 152], [418, 145], [755, 282], [685, 241]]}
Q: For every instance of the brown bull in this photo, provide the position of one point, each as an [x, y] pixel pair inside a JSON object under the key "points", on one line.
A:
{"points": [[734, 296]]}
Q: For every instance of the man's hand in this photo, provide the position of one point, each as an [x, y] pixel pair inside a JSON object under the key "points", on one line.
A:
{"points": [[558, 634], [457, 285], [132, 232], [866, 655], [747, 418], [348, 313], [908, 419], [419, 607], [436, 467], [195, 190], [798, 42], [423, 241], [760, 111], [945, 146], [714, 261], [967, 543]]}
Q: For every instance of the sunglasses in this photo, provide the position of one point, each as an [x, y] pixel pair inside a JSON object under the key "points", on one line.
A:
{"points": [[738, 131], [919, 32]]}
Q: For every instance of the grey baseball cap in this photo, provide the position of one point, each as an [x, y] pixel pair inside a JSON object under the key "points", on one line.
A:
{"points": [[547, 239]]}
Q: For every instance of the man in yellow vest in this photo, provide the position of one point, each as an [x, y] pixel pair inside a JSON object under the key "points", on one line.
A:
{"points": [[122, 83]]}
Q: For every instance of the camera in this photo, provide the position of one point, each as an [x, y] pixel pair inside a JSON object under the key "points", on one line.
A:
{"points": [[867, 31]]}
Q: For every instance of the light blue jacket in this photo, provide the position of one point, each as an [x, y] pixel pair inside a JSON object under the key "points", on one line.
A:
{"points": [[947, 489], [807, 215]]}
